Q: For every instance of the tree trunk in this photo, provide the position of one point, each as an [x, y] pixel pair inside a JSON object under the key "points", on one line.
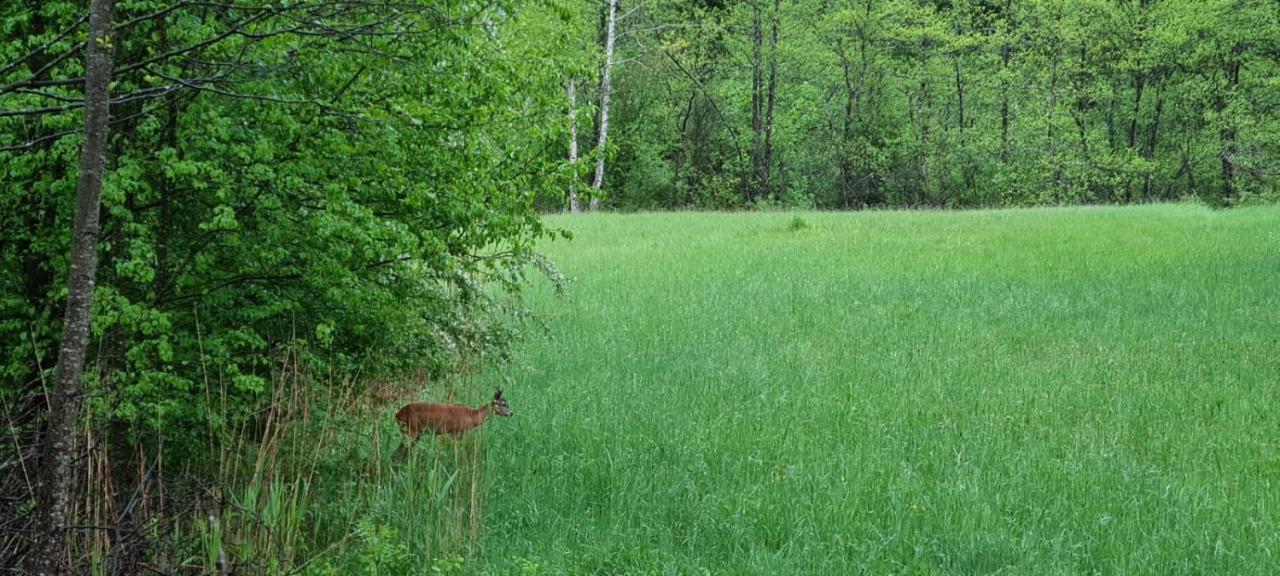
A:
{"points": [[867, 181], [966, 165], [605, 87], [766, 163], [1139, 83], [1006, 51], [757, 98], [1081, 105], [1051, 143], [1052, 106], [1228, 131], [1190, 171], [846, 129], [54, 482], [573, 148], [959, 96], [922, 106], [1152, 141]]}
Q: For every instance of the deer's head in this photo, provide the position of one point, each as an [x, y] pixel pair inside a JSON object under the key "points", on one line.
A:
{"points": [[500, 404]]}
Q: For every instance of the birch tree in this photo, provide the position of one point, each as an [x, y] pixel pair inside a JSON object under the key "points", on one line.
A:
{"points": [[573, 147], [605, 88]]}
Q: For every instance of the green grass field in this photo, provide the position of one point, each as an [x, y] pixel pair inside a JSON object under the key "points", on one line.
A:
{"points": [[1048, 391]]}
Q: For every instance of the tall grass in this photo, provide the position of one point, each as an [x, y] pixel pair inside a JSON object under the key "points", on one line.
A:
{"points": [[327, 496], [1049, 391], [311, 488]]}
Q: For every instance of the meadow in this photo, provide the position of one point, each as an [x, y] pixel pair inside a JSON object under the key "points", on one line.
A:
{"points": [[1036, 391]]}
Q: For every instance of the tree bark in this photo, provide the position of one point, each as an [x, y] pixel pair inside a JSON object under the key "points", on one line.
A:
{"points": [[53, 485], [1081, 105], [1051, 143], [1006, 51], [757, 98], [959, 95], [846, 129], [1228, 130], [1139, 84], [766, 163], [1152, 141], [605, 87], [921, 109], [573, 148], [1052, 106]]}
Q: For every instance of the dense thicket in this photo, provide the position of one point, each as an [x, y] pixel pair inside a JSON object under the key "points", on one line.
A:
{"points": [[354, 178], [849, 103]]}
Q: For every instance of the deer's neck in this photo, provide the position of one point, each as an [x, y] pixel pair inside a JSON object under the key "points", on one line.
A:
{"points": [[478, 415]]}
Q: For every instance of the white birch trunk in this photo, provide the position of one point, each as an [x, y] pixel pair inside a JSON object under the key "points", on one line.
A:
{"points": [[605, 87], [573, 148]]}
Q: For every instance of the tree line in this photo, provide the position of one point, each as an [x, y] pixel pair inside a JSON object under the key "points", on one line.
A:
{"points": [[857, 103]]}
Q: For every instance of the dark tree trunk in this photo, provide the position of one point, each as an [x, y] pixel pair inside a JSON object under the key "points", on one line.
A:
{"points": [[1006, 51], [959, 96], [1228, 131], [1139, 83], [53, 485], [1153, 139], [1052, 106], [966, 165], [922, 107], [1004, 106], [757, 99], [1081, 106], [846, 130], [1188, 170], [766, 163]]}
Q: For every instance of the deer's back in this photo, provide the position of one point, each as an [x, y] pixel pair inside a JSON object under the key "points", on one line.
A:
{"points": [[437, 418]]}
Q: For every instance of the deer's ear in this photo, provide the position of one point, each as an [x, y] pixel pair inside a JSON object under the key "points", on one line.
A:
{"points": [[497, 394]]}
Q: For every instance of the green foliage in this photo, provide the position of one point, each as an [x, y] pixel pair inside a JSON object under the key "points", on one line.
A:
{"points": [[368, 200], [953, 104]]}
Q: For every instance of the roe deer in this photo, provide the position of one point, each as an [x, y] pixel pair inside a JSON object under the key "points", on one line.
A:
{"points": [[447, 419]]}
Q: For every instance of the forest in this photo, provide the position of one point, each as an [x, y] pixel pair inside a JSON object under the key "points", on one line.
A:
{"points": [[943, 104], [234, 227]]}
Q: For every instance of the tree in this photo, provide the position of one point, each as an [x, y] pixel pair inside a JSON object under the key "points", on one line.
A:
{"points": [[855, 103], [331, 177], [54, 480], [763, 98], [573, 147], [606, 88]]}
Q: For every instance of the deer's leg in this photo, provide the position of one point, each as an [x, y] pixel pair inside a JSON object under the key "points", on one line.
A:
{"points": [[409, 441]]}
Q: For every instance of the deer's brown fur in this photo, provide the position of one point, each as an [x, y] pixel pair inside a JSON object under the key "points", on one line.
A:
{"points": [[447, 419]]}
